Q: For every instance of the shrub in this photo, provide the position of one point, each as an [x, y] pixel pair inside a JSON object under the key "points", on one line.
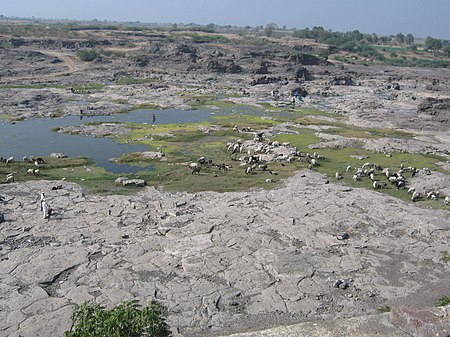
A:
{"points": [[209, 38], [87, 55], [126, 319], [445, 256], [384, 309], [443, 302]]}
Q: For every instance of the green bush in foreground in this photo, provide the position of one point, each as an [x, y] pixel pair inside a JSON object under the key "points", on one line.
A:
{"points": [[445, 256], [443, 302], [127, 319]]}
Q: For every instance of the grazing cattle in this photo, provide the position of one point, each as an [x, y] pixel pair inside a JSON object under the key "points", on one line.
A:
{"points": [[195, 170], [433, 195], [201, 160], [400, 184], [258, 136], [39, 160], [377, 184], [223, 166]]}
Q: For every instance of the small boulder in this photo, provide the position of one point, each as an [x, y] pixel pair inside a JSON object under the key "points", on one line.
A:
{"points": [[120, 180], [134, 182], [58, 155]]}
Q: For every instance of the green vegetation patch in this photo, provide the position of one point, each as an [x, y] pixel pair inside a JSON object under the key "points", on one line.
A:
{"points": [[126, 319], [445, 256], [336, 160], [443, 302], [207, 101], [10, 118], [75, 86], [87, 55], [370, 133], [254, 122], [301, 139], [135, 80], [84, 88], [384, 309]]}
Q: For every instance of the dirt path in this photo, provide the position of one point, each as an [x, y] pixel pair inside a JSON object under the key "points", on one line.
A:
{"points": [[68, 60]]}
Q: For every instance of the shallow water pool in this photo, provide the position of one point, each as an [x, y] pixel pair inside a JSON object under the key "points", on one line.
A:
{"points": [[34, 136]]}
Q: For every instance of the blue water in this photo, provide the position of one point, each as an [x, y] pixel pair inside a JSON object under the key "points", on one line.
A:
{"points": [[34, 136]]}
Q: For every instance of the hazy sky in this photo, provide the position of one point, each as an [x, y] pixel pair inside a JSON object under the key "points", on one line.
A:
{"points": [[422, 18]]}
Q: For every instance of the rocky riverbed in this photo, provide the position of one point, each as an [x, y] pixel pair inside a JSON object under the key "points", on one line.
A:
{"points": [[219, 262]]}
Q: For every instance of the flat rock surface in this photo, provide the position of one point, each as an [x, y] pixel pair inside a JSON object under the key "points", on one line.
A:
{"points": [[219, 263], [232, 262]]}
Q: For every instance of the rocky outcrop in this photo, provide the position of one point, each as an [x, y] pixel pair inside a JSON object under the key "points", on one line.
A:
{"points": [[223, 66], [419, 322], [302, 74], [262, 68], [267, 80], [306, 59], [433, 105], [342, 80]]}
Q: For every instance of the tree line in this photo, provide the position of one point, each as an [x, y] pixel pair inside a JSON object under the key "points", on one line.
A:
{"points": [[349, 41]]}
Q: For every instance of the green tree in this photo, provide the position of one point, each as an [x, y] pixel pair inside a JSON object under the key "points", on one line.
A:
{"points": [[87, 55], [433, 44], [409, 39], [446, 50], [374, 37], [384, 39], [400, 38], [269, 30], [356, 35], [126, 319]]}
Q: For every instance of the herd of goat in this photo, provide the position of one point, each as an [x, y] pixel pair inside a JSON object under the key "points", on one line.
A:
{"points": [[256, 154], [35, 171]]}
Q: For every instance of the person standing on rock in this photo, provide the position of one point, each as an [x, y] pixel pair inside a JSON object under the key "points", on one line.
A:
{"points": [[45, 208]]}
